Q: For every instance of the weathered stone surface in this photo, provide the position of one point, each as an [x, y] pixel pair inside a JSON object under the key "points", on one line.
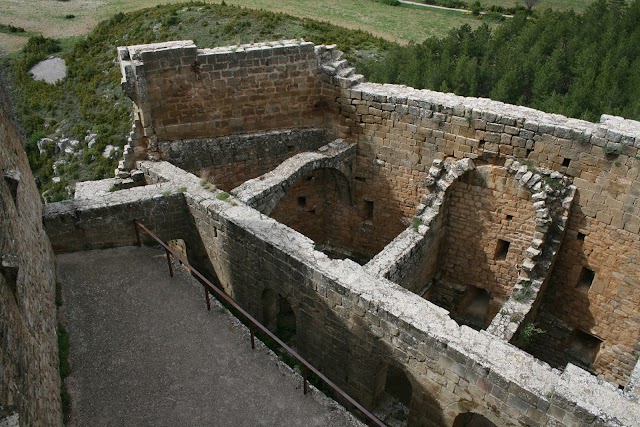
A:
{"points": [[556, 195], [29, 379]]}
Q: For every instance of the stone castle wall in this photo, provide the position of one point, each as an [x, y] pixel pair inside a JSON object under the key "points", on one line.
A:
{"points": [[352, 324], [182, 92], [353, 321], [30, 381], [401, 130], [229, 161]]}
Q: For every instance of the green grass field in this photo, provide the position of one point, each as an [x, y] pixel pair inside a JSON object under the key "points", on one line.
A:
{"points": [[577, 5], [400, 24]]}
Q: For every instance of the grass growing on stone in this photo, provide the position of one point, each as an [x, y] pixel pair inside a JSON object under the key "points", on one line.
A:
{"points": [[222, 196]]}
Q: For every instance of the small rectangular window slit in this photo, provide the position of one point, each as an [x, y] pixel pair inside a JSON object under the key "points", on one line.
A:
{"points": [[586, 278], [302, 201], [581, 236], [368, 210], [502, 249], [565, 162]]}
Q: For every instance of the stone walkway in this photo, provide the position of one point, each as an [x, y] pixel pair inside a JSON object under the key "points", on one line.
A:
{"points": [[146, 352]]}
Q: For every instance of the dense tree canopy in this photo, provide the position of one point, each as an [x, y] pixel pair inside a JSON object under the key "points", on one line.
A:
{"points": [[577, 65]]}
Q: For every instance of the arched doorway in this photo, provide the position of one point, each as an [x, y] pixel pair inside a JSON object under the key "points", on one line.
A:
{"points": [[471, 419], [394, 394], [278, 316]]}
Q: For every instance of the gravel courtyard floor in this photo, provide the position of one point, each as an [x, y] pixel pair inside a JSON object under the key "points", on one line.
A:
{"points": [[146, 352]]}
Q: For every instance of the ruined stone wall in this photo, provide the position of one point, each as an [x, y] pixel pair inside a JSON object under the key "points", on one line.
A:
{"points": [[183, 92], [319, 207], [401, 130], [231, 160], [30, 381], [106, 221], [352, 324], [484, 207]]}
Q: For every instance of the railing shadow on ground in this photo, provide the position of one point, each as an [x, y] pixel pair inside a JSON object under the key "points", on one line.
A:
{"points": [[359, 410]]}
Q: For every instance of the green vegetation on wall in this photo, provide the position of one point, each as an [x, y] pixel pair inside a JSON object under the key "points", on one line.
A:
{"points": [[90, 101], [577, 65]]}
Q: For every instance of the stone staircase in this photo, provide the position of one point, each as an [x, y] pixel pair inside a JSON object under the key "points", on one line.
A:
{"points": [[337, 69]]}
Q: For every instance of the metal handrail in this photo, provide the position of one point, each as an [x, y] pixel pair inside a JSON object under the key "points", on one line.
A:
{"points": [[255, 324]]}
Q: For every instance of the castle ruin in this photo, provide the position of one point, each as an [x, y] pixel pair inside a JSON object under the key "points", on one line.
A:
{"points": [[477, 261]]}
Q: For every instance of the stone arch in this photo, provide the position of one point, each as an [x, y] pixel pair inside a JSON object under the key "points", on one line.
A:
{"points": [[549, 195], [264, 193], [279, 316], [341, 174], [489, 222], [472, 419], [393, 393], [319, 206]]}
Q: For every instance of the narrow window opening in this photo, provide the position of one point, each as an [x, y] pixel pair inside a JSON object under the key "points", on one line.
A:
{"points": [[583, 349], [289, 148], [360, 179], [565, 162], [502, 250], [215, 231], [586, 278], [310, 178], [509, 217], [12, 178], [302, 201], [9, 266], [581, 236], [368, 210]]}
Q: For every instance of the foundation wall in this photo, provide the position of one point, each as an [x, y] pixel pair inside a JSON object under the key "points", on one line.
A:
{"points": [[29, 377], [401, 130]]}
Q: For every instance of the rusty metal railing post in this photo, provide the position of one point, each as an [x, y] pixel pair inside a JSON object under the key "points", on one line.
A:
{"points": [[169, 263], [305, 381], [255, 325], [206, 297], [135, 227]]}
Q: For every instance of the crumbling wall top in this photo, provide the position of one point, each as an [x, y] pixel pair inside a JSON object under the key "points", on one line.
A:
{"points": [[611, 128]]}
